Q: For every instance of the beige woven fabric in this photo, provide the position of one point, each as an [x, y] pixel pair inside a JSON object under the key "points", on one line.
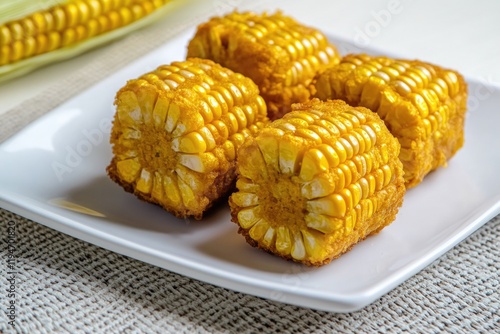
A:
{"points": [[68, 286], [65, 285]]}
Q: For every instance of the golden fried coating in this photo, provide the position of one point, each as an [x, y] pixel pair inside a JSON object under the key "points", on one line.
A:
{"points": [[316, 182], [176, 133], [279, 54], [423, 105]]}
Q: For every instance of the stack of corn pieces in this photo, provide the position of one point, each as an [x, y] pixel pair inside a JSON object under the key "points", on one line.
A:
{"points": [[315, 150], [35, 33]]}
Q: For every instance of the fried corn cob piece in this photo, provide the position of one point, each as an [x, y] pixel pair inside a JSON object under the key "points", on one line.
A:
{"points": [[423, 105], [279, 54], [30, 28], [176, 133], [316, 182]]}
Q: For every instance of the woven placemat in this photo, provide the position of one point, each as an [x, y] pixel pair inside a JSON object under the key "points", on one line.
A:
{"points": [[64, 285]]}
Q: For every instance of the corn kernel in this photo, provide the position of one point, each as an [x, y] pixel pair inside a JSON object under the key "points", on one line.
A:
{"points": [[283, 240], [129, 169], [171, 189], [259, 229], [313, 163], [145, 182], [317, 187], [322, 223]]}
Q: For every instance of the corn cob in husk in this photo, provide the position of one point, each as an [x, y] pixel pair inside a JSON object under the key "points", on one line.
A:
{"points": [[423, 105], [316, 182], [35, 33], [176, 133]]}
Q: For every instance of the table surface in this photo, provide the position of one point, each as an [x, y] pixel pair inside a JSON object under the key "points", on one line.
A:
{"points": [[71, 286]]}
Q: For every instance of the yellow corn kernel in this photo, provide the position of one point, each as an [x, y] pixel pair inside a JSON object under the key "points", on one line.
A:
{"points": [[318, 187], [269, 237], [245, 199], [157, 190], [279, 54], [166, 152], [313, 163], [283, 241], [422, 104], [248, 217], [259, 229], [329, 193], [145, 182], [128, 169]]}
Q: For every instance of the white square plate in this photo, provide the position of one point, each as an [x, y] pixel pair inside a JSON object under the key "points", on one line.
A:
{"points": [[53, 172]]}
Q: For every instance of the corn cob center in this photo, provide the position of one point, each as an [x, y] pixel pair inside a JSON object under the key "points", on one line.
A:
{"points": [[156, 150], [283, 199]]}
